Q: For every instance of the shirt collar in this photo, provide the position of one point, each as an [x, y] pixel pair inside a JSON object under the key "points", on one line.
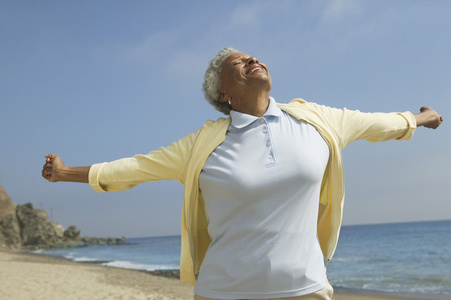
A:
{"points": [[241, 120]]}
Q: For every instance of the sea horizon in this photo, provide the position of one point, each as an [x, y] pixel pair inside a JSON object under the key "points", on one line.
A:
{"points": [[403, 258]]}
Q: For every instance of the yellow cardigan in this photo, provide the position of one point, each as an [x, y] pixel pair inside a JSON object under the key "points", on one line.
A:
{"points": [[184, 159]]}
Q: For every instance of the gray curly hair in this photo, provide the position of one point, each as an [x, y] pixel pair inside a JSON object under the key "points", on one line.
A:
{"points": [[212, 83]]}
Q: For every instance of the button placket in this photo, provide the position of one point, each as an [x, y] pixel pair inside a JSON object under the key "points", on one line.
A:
{"points": [[265, 130], [268, 139]]}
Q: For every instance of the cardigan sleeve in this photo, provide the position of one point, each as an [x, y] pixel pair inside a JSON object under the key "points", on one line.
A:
{"points": [[166, 163], [352, 125], [378, 127]]}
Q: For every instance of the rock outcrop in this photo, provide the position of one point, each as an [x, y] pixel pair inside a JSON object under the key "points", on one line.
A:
{"points": [[6, 205], [25, 227]]}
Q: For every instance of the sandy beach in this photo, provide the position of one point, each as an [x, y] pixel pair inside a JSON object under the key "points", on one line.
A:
{"points": [[26, 276]]}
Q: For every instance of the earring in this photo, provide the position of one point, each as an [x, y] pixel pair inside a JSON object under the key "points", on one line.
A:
{"points": [[229, 101]]}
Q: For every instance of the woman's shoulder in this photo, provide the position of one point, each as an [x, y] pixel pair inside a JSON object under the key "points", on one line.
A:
{"points": [[211, 128], [216, 123], [302, 106]]}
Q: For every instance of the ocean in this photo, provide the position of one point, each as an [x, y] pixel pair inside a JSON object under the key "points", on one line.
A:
{"points": [[401, 258]]}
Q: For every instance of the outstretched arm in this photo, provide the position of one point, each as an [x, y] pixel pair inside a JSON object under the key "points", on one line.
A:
{"points": [[428, 117], [54, 170]]}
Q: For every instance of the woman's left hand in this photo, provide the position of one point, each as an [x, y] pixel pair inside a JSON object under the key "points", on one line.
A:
{"points": [[428, 118]]}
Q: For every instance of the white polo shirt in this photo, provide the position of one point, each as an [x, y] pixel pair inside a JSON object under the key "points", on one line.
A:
{"points": [[261, 191]]}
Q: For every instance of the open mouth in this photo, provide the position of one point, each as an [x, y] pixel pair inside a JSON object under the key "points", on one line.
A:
{"points": [[255, 68]]}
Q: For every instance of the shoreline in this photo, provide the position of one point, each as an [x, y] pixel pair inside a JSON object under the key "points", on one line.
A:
{"points": [[26, 275]]}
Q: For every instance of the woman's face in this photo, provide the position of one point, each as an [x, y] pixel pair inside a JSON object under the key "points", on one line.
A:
{"points": [[241, 73]]}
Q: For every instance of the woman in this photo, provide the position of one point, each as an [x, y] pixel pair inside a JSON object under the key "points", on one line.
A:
{"points": [[263, 188]]}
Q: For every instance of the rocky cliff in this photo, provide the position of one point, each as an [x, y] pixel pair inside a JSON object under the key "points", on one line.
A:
{"points": [[25, 227], [6, 205]]}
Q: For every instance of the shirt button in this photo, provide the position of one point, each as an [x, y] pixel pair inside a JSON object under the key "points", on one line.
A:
{"points": [[265, 130], [270, 156], [268, 144], [262, 120]]}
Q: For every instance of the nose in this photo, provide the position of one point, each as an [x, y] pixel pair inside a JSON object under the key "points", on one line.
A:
{"points": [[252, 60]]}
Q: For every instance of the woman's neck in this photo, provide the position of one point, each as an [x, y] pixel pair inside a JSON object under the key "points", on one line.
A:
{"points": [[255, 105]]}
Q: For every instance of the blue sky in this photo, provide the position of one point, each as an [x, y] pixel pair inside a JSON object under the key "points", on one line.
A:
{"points": [[95, 81]]}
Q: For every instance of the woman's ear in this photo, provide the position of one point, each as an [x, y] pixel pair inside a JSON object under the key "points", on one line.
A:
{"points": [[223, 97]]}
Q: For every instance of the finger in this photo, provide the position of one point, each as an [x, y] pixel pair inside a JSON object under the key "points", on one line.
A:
{"points": [[46, 175], [50, 156], [47, 165], [47, 171]]}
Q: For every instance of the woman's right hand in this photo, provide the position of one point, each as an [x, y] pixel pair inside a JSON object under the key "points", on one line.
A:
{"points": [[54, 170], [52, 167]]}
